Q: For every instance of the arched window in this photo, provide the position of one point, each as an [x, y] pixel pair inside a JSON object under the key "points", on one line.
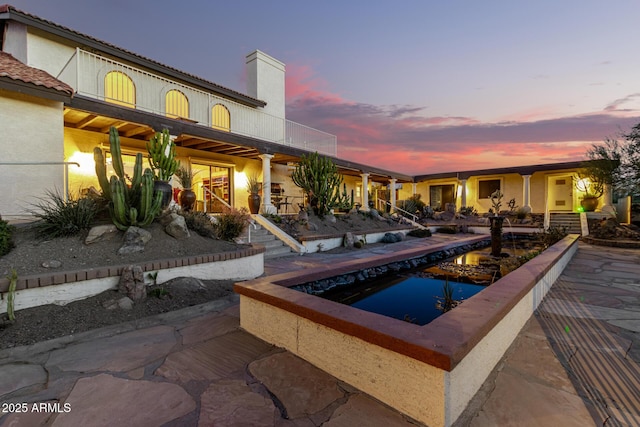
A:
{"points": [[119, 89], [176, 104], [220, 118]]}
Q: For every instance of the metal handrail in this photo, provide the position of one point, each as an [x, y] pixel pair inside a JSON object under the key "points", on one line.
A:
{"points": [[206, 190], [415, 217], [66, 171]]}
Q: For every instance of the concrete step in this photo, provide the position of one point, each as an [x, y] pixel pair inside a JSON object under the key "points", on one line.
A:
{"points": [[274, 247]]}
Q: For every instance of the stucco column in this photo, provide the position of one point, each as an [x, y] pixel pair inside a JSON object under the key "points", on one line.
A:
{"points": [[365, 191], [463, 193], [266, 206], [414, 188], [607, 201], [526, 193], [392, 192]]}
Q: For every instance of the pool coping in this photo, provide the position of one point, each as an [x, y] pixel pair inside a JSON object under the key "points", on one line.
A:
{"points": [[442, 343]]}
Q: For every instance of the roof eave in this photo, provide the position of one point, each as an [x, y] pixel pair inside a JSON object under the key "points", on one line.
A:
{"points": [[34, 90]]}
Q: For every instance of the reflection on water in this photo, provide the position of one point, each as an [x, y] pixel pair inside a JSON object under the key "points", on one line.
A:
{"points": [[413, 295], [409, 298]]}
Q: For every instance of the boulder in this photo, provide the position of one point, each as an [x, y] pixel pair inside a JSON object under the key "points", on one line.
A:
{"points": [[178, 228], [391, 238], [348, 240], [132, 283], [100, 233], [134, 240]]}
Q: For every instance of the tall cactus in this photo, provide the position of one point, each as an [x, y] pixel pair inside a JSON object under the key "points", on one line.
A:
{"points": [[319, 179], [162, 155], [134, 204]]}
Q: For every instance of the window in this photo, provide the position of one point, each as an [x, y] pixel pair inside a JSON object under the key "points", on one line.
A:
{"points": [[487, 187], [176, 104], [441, 195], [220, 118], [119, 89]]}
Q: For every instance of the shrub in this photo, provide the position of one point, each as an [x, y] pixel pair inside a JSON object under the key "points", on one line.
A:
{"points": [[6, 237], [420, 232], [446, 230], [61, 218], [199, 222], [468, 211], [231, 223], [551, 236]]}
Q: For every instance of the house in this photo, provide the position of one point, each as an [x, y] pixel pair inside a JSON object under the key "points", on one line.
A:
{"points": [[543, 188], [61, 91]]}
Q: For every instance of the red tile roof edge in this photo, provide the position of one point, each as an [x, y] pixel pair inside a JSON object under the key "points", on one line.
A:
{"points": [[15, 70]]}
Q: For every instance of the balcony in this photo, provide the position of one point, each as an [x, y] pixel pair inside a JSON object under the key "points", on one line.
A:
{"points": [[85, 72]]}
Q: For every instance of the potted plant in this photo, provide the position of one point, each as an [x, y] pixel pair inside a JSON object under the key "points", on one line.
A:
{"points": [[187, 197], [592, 188], [253, 188], [162, 159]]}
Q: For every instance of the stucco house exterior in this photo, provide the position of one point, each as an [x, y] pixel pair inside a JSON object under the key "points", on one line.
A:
{"points": [[61, 91]]}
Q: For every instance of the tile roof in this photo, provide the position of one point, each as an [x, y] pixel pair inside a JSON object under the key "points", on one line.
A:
{"points": [[7, 8], [12, 68]]}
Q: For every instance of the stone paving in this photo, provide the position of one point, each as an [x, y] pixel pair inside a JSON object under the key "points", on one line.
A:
{"points": [[575, 363]]}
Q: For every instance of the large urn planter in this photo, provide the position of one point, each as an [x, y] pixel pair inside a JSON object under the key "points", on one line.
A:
{"points": [[254, 203], [589, 204], [187, 199], [167, 192]]}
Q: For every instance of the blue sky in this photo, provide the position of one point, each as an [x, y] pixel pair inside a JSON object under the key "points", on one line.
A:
{"points": [[412, 86]]}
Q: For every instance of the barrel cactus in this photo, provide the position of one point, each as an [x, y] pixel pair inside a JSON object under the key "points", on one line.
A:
{"points": [[133, 203]]}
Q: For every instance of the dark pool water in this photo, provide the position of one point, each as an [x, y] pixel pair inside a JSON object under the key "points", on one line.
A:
{"points": [[407, 298]]}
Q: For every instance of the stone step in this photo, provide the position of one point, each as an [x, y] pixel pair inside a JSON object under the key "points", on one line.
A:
{"points": [[259, 238]]}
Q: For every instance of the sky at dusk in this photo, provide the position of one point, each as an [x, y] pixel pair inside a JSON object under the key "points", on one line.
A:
{"points": [[413, 86]]}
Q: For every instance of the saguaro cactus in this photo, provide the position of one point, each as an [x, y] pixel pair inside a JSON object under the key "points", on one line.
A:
{"points": [[129, 204]]}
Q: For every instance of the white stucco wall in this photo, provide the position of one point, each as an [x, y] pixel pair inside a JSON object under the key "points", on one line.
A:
{"points": [[31, 131], [47, 54]]}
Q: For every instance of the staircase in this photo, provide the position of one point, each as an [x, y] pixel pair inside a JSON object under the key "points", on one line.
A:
{"points": [[275, 248], [571, 221]]}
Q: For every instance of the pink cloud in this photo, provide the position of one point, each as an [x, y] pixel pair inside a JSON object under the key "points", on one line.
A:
{"points": [[402, 138]]}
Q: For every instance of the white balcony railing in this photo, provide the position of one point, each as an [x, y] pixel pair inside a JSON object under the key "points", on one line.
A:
{"points": [[86, 72]]}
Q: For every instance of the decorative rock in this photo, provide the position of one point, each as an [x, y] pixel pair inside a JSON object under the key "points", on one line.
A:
{"points": [[167, 218], [390, 238], [303, 215], [311, 226], [177, 228], [348, 240], [134, 240], [132, 283], [100, 233], [52, 263], [330, 218], [124, 303]]}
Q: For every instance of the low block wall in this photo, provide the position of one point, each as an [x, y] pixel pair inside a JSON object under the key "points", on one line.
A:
{"points": [[430, 372], [325, 243], [64, 287]]}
